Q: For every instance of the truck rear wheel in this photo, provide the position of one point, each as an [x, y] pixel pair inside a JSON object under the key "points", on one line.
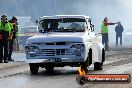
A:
{"points": [[103, 55], [33, 68], [98, 66], [90, 56]]}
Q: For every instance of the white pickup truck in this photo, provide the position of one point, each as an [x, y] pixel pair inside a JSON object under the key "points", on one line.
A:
{"points": [[66, 40]]}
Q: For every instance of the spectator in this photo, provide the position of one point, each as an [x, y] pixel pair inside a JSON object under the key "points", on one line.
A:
{"points": [[119, 29]]}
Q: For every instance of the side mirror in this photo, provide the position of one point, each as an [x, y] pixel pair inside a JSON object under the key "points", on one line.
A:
{"points": [[92, 27]]}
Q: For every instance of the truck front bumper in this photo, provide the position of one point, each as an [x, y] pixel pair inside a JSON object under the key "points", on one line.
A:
{"points": [[55, 60]]}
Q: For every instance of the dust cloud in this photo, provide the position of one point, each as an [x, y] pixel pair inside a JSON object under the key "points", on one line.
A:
{"points": [[115, 10]]}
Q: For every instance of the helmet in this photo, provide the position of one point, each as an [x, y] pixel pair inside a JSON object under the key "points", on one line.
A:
{"points": [[3, 16]]}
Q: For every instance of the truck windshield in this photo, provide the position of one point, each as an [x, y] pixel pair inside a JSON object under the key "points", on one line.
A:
{"points": [[64, 25]]}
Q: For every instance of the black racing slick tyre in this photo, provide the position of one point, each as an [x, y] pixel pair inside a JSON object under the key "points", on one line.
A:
{"points": [[33, 68]]}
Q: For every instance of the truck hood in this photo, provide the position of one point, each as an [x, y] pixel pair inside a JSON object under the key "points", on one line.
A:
{"points": [[57, 37]]}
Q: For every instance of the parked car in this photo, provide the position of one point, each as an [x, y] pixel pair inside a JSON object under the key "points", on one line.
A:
{"points": [[25, 33]]}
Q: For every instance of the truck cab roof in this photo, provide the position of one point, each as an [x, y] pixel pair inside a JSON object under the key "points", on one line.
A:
{"points": [[65, 16]]}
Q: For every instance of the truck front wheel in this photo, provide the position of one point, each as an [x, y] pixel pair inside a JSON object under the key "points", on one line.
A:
{"points": [[85, 65], [33, 68]]}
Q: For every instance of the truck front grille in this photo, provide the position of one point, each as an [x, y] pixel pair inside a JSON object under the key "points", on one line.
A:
{"points": [[56, 43], [52, 43], [54, 52]]}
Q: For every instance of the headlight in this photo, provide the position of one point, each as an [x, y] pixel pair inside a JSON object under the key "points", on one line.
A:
{"points": [[77, 48], [31, 49]]}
